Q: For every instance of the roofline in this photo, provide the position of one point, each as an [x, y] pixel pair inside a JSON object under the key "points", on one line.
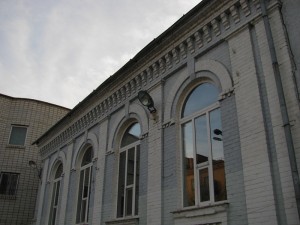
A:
{"points": [[131, 62], [34, 100]]}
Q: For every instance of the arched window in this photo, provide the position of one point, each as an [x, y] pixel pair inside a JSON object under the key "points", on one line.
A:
{"points": [[84, 187], [203, 155], [55, 195], [129, 165]]}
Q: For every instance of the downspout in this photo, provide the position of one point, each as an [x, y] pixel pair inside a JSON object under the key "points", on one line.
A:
{"points": [[283, 107]]}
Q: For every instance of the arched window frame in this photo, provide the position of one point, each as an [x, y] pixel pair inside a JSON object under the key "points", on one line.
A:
{"points": [[55, 194], [195, 183], [83, 198], [122, 204]]}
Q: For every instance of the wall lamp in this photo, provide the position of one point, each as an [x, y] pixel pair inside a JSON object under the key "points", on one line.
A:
{"points": [[147, 101], [33, 165]]}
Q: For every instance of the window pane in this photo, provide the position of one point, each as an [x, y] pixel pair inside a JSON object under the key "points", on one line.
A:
{"points": [[202, 145], [121, 185], [59, 171], [204, 185], [4, 183], [80, 196], [130, 166], [129, 201], [86, 182], [57, 193], [9, 183], [189, 189], [87, 157], [83, 209], [131, 135], [218, 156], [216, 135], [201, 97], [18, 135]]}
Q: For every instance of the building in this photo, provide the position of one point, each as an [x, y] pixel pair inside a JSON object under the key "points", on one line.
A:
{"points": [[21, 122], [200, 127]]}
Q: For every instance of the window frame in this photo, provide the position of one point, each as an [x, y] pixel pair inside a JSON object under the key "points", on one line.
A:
{"points": [[137, 146], [197, 167], [8, 187], [55, 195], [83, 169], [11, 132]]}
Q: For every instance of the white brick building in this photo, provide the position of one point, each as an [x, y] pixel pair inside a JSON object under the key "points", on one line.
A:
{"points": [[223, 145], [22, 121]]}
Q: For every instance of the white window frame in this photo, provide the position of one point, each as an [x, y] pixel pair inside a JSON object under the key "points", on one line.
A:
{"points": [[9, 185], [11, 132], [136, 146], [87, 199], [197, 167], [53, 206]]}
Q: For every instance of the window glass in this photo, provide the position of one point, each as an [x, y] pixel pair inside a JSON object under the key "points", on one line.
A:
{"points": [[84, 187], [131, 135], [87, 157], [18, 135], [129, 165], [201, 97], [189, 190], [202, 143], [8, 183], [55, 194], [59, 171], [217, 156]]}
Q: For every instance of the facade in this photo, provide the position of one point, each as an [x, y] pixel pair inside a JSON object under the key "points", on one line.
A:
{"points": [[217, 144], [21, 122]]}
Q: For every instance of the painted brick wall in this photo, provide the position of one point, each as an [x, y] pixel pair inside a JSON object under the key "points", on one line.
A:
{"points": [[38, 116], [170, 189], [237, 214]]}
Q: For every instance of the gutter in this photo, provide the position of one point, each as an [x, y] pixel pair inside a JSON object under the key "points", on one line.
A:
{"points": [[283, 107]]}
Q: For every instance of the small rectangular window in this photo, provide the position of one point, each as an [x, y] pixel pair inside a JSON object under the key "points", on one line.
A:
{"points": [[18, 135], [8, 183]]}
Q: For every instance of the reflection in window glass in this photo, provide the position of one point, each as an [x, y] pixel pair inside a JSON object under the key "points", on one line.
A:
{"points": [[204, 185], [129, 165], [218, 156], [84, 187], [18, 135], [202, 143], [189, 190], [201, 97], [201, 139], [55, 195], [131, 135]]}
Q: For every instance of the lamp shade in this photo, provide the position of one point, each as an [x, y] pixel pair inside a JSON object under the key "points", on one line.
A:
{"points": [[146, 100]]}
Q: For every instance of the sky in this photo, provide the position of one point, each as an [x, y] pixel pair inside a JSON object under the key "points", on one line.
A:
{"points": [[59, 51]]}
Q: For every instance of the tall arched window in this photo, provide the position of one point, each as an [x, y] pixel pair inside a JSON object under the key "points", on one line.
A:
{"points": [[84, 187], [55, 195], [129, 165], [203, 155]]}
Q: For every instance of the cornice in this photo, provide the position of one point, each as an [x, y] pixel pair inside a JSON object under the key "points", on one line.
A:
{"points": [[147, 72]]}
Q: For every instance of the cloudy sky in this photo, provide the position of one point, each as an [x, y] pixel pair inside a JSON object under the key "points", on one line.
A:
{"points": [[59, 51]]}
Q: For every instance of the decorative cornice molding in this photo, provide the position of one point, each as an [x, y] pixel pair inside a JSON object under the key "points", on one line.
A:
{"points": [[169, 60]]}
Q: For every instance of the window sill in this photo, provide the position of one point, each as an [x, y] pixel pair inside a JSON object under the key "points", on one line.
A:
{"points": [[209, 209], [8, 197], [15, 146], [124, 221]]}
